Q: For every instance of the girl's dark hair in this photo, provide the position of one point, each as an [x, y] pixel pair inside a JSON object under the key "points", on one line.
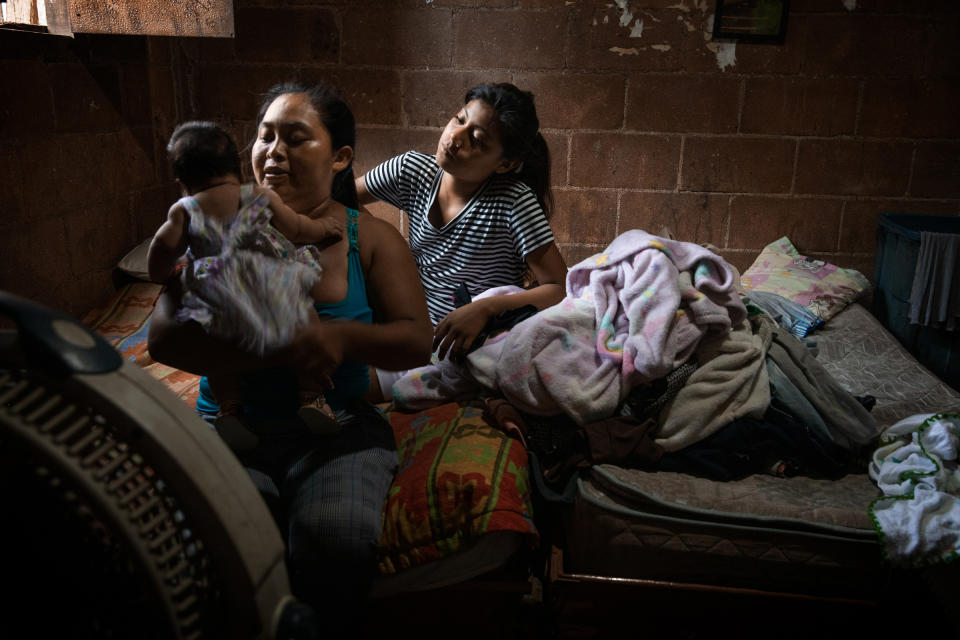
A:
{"points": [[336, 117], [199, 151], [520, 135]]}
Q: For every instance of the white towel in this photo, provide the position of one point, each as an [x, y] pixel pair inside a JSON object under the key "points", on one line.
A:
{"points": [[918, 517]]}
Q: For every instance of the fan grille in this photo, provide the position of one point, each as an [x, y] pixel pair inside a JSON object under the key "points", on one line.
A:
{"points": [[89, 471]]}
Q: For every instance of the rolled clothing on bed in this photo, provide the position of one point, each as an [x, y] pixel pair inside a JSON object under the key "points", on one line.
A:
{"points": [[793, 317]]}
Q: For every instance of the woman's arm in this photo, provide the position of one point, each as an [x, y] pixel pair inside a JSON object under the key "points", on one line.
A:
{"points": [[400, 338], [168, 244], [456, 332]]}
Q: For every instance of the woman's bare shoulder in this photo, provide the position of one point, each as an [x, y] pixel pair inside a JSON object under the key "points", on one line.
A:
{"points": [[376, 231], [381, 242]]}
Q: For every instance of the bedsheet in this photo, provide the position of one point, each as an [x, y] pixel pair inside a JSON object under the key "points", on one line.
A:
{"points": [[124, 322]]}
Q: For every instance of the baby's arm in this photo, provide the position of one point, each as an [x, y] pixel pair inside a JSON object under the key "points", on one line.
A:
{"points": [[169, 243], [303, 229]]}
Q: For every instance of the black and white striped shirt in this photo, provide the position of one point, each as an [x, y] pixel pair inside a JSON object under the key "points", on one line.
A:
{"points": [[483, 247]]}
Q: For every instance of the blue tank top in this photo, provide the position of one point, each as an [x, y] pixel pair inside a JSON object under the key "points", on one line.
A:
{"points": [[275, 392]]}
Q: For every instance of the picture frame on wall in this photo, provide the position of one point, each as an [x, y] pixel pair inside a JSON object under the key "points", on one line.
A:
{"points": [[751, 20]]}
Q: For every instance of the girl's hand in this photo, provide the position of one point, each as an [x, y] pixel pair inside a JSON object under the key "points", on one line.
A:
{"points": [[315, 353], [455, 333]]}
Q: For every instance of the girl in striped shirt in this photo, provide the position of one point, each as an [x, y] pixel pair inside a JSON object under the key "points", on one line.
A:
{"points": [[477, 212]]}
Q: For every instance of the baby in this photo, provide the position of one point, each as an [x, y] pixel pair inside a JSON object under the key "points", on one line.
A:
{"points": [[244, 279]]}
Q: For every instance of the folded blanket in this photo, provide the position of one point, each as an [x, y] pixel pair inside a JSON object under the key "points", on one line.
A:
{"points": [[918, 517], [731, 382]]}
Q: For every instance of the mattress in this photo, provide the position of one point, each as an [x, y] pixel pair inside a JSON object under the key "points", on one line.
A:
{"points": [[796, 535]]}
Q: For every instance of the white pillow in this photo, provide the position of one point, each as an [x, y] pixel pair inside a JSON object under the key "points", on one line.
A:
{"points": [[135, 262]]}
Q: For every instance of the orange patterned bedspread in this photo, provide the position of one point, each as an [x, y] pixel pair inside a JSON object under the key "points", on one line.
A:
{"points": [[124, 322]]}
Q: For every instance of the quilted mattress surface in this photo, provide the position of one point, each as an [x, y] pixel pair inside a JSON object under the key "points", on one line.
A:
{"points": [[636, 524]]}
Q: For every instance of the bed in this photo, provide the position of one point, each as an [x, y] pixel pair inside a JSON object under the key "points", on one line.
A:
{"points": [[801, 534], [469, 501]]}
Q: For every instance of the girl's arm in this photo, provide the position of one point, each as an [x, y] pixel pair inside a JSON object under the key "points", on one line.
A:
{"points": [[303, 229], [456, 332], [363, 194], [168, 244]]}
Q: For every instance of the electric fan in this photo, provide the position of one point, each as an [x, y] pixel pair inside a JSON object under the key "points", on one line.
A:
{"points": [[124, 514]]}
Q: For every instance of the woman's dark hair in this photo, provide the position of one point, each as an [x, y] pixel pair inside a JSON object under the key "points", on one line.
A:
{"points": [[200, 151], [520, 135], [336, 117]]}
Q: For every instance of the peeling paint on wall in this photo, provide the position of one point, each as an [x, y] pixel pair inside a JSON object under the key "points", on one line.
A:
{"points": [[625, 19], [726, 53]]}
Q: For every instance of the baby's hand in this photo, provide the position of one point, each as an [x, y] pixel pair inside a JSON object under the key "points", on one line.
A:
{"points": [[332, 229]]}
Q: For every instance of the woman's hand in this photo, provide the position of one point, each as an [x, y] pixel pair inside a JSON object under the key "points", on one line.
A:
{"points": [[316, 352], [456, 333]]}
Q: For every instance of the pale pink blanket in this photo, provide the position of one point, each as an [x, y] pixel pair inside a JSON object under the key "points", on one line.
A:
{"points": [[654, 298], [632, 314]]}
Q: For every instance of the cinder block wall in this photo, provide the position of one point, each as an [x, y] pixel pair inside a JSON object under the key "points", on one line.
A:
{"points": [[80, 177], [650, 122]]}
